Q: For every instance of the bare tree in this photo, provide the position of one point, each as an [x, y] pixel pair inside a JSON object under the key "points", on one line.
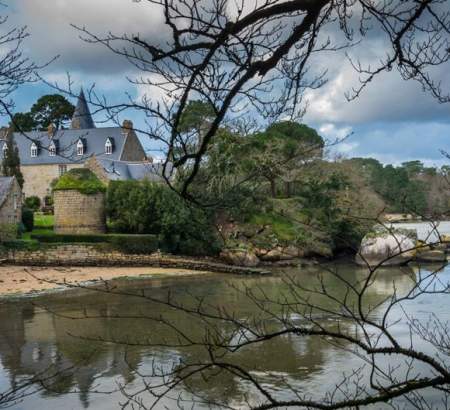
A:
{"points": [[259, 57], [16, 69]]}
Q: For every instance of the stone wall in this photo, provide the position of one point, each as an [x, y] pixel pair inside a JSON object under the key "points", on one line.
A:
{"points": [[11, 210], [77, 213], [37, 178], [104, 255]]}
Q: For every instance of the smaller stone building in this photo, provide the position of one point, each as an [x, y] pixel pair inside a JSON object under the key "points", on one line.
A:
{"points": [[10, 201], [79, 203], [78, 213]]}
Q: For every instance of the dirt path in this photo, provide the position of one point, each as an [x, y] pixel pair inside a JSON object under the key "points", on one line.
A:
{"points": [[27, 280]]}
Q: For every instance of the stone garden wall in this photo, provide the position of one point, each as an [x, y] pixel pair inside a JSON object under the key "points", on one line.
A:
{"points": [[103, 255]]}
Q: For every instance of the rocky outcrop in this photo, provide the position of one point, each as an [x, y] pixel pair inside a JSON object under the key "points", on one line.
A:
{"points": [[279, 253], [431, 255], [239, 257], [385, 247]]}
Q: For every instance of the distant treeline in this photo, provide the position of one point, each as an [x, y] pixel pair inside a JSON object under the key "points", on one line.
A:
{"points": [[410, 187]]}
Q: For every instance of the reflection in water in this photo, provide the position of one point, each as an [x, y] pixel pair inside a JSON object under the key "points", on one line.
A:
{"points": [[32, 339]]}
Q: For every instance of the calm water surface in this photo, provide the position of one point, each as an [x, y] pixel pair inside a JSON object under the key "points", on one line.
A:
{"points": [[32, 338]]}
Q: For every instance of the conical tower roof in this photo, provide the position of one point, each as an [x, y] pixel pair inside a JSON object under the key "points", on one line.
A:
{"points": [[82, 118]]}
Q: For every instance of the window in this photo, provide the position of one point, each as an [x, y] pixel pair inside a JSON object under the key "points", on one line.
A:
{"points": [[62, 169], [52, 149], [5, 149], [80, 147], [34, 150], [108, 147]]}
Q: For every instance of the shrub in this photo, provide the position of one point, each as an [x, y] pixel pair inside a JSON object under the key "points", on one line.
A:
{"points": [[81, 179], [132, 244], [135, 244], [48, 200], [52, 237], [33, 203], [28, 219], [8, 232], [148, 208], [21, 245]]}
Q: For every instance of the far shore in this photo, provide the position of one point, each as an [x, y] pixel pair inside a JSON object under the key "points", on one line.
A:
{"points": [[30, 280]]}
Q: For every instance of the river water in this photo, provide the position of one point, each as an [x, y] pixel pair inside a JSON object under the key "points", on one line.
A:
{"points": [[33, 338]]}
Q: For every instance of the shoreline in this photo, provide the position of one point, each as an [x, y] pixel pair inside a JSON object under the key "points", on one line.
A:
{"points": [[25, 281]]}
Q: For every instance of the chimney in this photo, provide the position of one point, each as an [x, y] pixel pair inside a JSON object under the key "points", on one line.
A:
{"points": [[51, 130], [127, 125]]}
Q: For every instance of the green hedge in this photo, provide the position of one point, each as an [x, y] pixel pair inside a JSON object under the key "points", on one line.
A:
{"points": [[135, 244], [132, 244], [22, 245]]}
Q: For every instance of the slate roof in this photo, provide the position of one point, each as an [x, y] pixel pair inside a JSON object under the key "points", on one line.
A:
{"points": [[5, 188], [94, 140], [122, 170], [82, 118]]}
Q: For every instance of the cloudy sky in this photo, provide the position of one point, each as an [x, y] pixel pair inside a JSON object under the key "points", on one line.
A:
{"points": [[393, 121]]}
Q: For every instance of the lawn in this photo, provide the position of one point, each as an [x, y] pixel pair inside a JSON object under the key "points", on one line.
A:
{"points": [[42, 224], [42, 221]]}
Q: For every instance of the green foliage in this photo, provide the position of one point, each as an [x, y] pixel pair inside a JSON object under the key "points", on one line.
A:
{"points": [[135, 244], [132, 244], [195, 115], [28, 219], [413, 168], [23, 122], [11, 160], [81, 179], [22, 245], [51, 237], [146, 207], [8, 232], [51, 109], [42, 221], [32, 202], [294, 134]]}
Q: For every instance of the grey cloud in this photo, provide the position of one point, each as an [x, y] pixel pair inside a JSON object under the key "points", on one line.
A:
{"points": [[49, 23]]}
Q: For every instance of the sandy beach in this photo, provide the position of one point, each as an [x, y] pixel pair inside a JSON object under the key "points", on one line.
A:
{"points": [[22, 280]]}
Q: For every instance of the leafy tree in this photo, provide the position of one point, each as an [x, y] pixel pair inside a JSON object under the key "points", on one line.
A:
{"points": [[282, 149], [24, 121], [146, 207], [33, 203], [195, 115], [11, 160], [413, 167], [51, 109]]}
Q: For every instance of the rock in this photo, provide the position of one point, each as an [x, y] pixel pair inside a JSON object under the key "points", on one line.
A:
{"points": [[433, 255], [279, 253], [387, 247], [240, 257]]}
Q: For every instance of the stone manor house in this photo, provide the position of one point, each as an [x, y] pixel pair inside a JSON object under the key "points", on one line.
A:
{"points": [[112, 153]]}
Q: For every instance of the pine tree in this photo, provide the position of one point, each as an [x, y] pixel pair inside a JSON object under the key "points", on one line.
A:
{"points": [[11, 160]]}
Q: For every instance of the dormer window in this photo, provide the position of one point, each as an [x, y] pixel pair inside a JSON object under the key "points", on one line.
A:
{"points": [[80, 147], [108, 147], [34, 150], [52, 149]]}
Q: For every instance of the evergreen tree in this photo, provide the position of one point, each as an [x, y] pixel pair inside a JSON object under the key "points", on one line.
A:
{"points": [[11, 160]]}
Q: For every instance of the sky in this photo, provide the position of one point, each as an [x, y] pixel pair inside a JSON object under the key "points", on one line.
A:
{"points": [[393, 121]]}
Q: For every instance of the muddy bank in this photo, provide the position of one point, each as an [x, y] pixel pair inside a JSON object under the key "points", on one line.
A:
{"points": [[29, 280]]}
